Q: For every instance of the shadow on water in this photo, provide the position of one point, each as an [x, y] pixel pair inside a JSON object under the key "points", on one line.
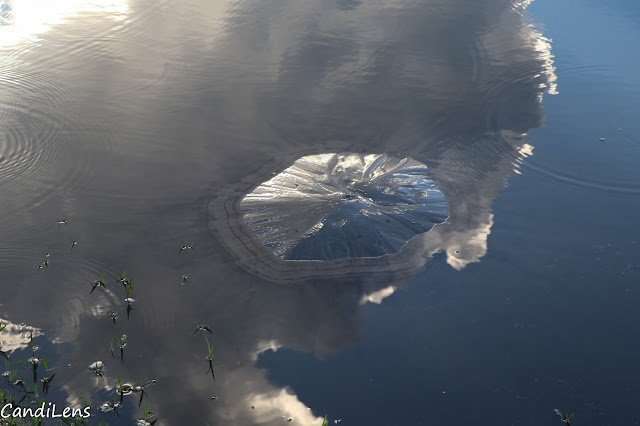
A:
{"points": [[221, 97]]}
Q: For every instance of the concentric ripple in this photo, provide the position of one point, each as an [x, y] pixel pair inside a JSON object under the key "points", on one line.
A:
{"points": [[35, 125]]}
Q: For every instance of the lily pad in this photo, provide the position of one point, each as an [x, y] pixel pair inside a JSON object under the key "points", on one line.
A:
{"points": [[334, 206]]}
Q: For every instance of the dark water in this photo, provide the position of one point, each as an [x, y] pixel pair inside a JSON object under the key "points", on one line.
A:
{"points": [[141, 122]]}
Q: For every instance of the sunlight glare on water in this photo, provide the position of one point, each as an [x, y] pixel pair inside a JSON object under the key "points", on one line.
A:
{"points": [[21, 21]]}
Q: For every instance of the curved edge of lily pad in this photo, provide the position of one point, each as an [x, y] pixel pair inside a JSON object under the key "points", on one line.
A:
{"points": [[227, 222]]}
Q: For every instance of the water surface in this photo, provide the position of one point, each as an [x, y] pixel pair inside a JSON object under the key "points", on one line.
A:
{"points": [[142, 123]]}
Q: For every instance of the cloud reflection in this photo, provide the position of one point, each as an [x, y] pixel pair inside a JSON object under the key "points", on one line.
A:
{"points": [[455, 85]]}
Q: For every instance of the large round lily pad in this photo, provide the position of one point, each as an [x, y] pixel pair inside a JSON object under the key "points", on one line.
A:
{"points": [[337, 206]]}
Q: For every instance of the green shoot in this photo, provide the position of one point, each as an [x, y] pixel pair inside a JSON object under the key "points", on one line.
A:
{"points": [[210, 358], [210, 348], [564, 417]]}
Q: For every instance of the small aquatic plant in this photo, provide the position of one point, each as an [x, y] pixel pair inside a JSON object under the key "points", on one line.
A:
{"points": [[113, 315], [186, 247], [184, 279], [122, 342], [111, 348], [210, 358], [123, 389], [34, 361], [99, 282], [564, 417], [129, 300], [46, 259], [122, 278], [46, 380], [128, 286], [97, 368], [111, 406], [147, 416], [140, 388], [73, 243], [200, 327]]}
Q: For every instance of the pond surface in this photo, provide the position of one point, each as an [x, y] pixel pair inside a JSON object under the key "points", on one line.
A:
{"points": [[132, 132]]}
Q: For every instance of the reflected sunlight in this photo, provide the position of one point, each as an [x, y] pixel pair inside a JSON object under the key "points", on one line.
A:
{"points": [[23, 20]]}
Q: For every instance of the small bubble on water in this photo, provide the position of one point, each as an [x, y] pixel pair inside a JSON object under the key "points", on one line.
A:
{"points": [[253, 407], [602, 139], [213, 397]]}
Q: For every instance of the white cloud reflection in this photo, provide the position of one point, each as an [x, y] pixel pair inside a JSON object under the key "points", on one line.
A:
{"points": [[378, 296]]}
